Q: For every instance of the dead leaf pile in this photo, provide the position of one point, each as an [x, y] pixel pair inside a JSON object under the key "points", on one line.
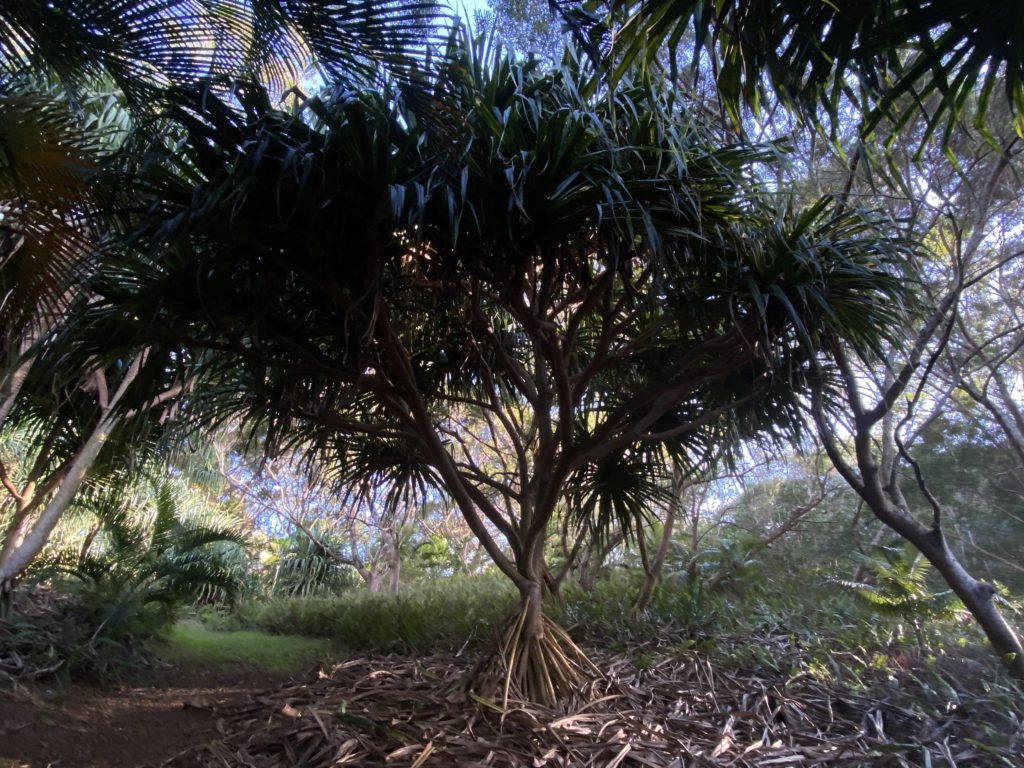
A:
{"points": [[414, 713]]}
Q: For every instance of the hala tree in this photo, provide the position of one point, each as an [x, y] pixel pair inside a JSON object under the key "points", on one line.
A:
{"points": [[567, 279]]}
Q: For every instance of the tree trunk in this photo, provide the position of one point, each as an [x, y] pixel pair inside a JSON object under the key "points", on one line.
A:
{"points": [[977, 596], [590, 566], [15, 532], [652, 571], [887, 504], [395, 567], [18, 558], [531, 590], [652, 574], [32, 543], [531, 603]]}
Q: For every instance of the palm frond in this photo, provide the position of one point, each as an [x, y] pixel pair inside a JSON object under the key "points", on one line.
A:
{"points": [[889, 57], [899, 587], [49, 200], [618, 494], [142, 46]]}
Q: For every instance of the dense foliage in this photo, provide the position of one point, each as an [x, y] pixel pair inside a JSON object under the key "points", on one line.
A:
{"points": [[460, 311]]}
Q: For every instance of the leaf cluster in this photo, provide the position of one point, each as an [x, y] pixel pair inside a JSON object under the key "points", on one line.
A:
{"points": [[888, 57]]}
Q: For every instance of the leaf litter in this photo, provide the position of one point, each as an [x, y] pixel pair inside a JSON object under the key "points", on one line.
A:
{"points": [[678, 712]]}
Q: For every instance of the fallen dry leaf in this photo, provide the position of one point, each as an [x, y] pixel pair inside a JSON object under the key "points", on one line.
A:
{"points": [[682, 712]]}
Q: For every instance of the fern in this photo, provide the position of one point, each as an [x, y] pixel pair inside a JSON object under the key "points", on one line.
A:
{"points": [[898, 587]]}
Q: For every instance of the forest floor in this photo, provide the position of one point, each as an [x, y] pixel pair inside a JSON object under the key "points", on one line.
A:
{"points": [[160, 711], [412, 712], [145, 723]]}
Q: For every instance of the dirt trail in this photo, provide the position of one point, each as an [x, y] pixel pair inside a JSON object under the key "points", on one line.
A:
{"points": [[140, 725]]}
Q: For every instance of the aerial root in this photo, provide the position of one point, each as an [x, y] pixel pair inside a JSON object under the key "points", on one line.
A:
{"points": [[542, 667]]}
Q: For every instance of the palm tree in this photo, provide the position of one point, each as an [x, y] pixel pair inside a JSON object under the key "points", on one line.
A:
{"points": [[135, 573], [573, 274], [140, 47], [308, 564], [59, 60]]}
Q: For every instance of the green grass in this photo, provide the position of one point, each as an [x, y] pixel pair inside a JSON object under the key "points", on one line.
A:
{"points": [[192, 644]]}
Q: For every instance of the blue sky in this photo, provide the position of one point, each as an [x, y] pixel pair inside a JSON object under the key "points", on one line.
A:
{"points": [[467, 7]]}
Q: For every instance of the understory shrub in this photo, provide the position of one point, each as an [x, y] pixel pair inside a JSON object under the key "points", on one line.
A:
{"points": [[813, 626], [443, 614], [606, 612]]}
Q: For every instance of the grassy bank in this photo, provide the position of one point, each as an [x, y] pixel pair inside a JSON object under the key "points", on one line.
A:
{"points": [[190, 643]]}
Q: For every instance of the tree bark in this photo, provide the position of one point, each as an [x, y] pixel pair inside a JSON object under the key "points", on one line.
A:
{"points": [[976, 595], [531, 598], [394, 565], [15, 532], [35, 539], [590, 567]]}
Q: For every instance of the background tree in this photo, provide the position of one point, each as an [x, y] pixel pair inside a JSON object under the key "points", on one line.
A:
{"points": [[878, 66], [527, 26]]}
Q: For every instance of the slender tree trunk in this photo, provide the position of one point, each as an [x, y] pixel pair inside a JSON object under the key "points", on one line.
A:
{"points": [[15, 532], [33, 540], [90, 537], [537, 660], [590, 567], [32, 543], [976, 595], [395, 566], [652, 573]]}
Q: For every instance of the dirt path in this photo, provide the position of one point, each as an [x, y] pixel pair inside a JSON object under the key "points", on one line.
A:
{"points": [[82, 727]]}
